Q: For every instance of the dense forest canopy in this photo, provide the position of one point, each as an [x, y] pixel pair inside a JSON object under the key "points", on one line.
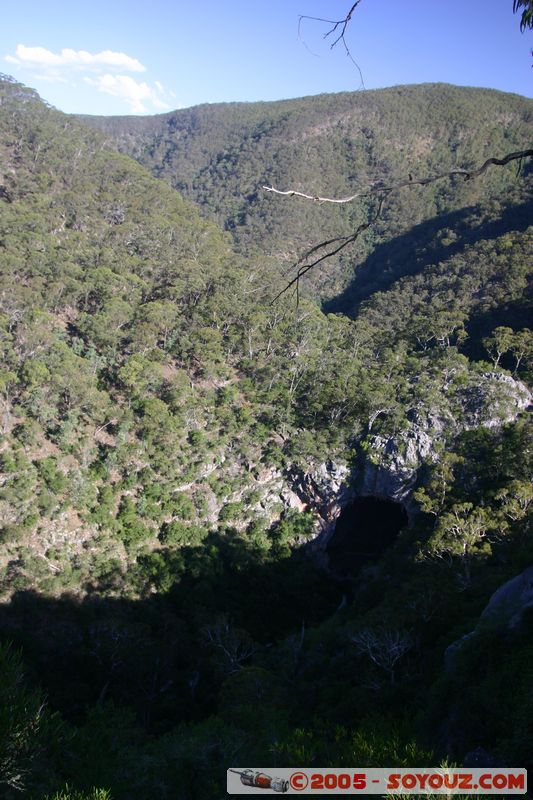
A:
{"points": [[221, 155], [165, 429]]}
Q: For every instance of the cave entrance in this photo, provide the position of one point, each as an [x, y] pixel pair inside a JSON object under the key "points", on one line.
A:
{"points": [[365, 529]]}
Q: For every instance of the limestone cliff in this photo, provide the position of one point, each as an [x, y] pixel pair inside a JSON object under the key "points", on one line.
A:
{"points": [[389, 466]]}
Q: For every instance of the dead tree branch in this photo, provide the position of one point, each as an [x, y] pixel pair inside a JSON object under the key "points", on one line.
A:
{"points": [[338, 29], [329, 248], [380, 188], [322, 252]]}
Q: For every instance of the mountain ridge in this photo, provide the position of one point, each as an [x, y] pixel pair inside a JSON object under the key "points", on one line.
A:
{"points": [[308, 97], [221, 155], [178, 452]]}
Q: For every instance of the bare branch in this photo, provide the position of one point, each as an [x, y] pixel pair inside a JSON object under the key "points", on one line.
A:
{"points": [[384, 647], [235, 645], [380, 188], [330, 247], [338, 243], [338, 27]]}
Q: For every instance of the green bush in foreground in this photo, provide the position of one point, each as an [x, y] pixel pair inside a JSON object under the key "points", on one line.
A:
{"points": [[69, 794]]}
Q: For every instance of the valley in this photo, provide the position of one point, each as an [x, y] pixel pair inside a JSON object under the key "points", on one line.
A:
{"points": [[215, 499]]}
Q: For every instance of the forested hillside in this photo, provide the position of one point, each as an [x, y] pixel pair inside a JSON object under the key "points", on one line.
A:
{"points": [[221, 155], [176, 448]]}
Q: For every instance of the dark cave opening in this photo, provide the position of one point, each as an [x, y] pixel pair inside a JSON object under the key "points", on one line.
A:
{"points": [[365, 529]]}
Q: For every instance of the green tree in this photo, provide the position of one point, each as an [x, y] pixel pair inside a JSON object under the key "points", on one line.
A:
{"points": [[499, 343], [526, 20], [522, 348], [461, 535]]}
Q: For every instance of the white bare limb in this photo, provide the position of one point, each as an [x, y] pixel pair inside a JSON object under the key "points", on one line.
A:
{"points": [[381, 188], [384, 647], [331, 247]]}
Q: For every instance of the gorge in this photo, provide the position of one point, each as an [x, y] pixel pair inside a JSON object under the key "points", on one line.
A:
{"points": [[220, 508]]}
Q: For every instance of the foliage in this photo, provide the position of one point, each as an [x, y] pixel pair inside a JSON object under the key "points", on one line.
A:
{"points": [[68, 794], [154, 404], [221, 155], [21, 722], [526, 20]]}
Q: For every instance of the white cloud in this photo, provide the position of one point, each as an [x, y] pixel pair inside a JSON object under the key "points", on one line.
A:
{"points": [[73, 59], [48, 78], [103, 71], [136, 95]]}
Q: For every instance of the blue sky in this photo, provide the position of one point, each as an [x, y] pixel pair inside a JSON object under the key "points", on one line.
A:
{"points": [[119, 57]]}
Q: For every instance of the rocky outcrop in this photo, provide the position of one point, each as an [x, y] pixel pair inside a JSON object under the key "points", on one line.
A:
{"points": [[503, 612], [507, 605], [493, 399], [392, 462], [480, 759], [388, 467], [325, 491]]}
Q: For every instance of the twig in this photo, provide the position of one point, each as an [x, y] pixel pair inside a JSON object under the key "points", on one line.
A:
{"points": [[343, 25], [342, 22]]}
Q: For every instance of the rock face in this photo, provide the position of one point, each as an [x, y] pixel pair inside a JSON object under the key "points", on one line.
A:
{"points": [[504, 611], [508, 603], [480, 759], [390, 467], [495, 398], [392, 463], [325, 491]]}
